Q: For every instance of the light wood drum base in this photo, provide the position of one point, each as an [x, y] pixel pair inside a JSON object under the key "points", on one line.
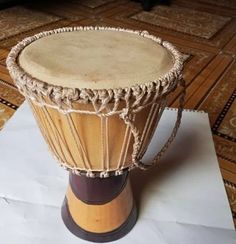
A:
{"points": [[99, 210]]}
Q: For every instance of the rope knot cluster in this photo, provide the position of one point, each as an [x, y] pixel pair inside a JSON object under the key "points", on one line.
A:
{"points": [[126, 115]]}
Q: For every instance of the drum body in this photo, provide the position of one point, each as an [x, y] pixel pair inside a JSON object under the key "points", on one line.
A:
{"points": [[90, 142], [97, 134]]}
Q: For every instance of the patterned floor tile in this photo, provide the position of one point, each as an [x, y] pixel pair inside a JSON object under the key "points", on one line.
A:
{"points": [[95, 3], [228, 124], [10, 94], [184, 20], [18, 19], [5, 114], [13, 40]]}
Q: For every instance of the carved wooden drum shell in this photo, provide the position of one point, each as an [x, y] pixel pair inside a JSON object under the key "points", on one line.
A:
{"points": [[98, 122]]}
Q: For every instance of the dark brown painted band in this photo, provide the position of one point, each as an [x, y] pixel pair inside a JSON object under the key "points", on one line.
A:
{"points": [[96, 191], [118, 233]]}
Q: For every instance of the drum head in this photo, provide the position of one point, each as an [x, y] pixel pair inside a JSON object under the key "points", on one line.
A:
{"points": [[95, 59]]}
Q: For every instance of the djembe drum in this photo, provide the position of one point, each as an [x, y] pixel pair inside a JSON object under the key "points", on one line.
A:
{"points": [[97, 94]]}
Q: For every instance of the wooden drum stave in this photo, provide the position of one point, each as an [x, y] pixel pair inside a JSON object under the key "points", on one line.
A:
{"points": [[96, 114]]}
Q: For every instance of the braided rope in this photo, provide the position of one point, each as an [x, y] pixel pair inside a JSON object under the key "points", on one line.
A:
{"points": [[160, 154], [63, 98]]}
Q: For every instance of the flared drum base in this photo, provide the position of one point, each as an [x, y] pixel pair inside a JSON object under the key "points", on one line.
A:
{"points": [[98, 237], [99, 210]]}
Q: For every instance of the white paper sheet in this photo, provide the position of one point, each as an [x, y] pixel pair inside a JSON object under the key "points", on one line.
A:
{"points": [[182, 200]]}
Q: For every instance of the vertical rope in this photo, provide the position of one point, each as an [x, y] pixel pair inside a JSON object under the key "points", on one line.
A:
{"points": [[77, 139], [103, 166], [127, 145], [44, 131], [107, 144], [157, 112], [158, 156], [150, 115], [123, 147], [54, 128]]}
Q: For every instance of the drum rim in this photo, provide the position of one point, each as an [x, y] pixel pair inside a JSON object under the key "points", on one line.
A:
{"points": [[33, 88]]}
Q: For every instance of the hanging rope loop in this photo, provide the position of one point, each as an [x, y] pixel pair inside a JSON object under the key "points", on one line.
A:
{"points": [[160, 154]]}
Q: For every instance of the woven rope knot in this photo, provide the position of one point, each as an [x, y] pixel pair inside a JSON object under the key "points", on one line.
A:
{"points": [[118, 93], [119, 172], [71, 94], [126, 115], [90, 174], [144, 33], [76, 172], [84, 95], [104, 174]]}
